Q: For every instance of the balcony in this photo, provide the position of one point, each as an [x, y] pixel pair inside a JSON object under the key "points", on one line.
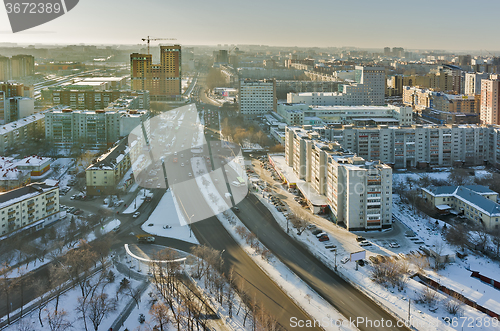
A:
{"points": [[11, 212]]}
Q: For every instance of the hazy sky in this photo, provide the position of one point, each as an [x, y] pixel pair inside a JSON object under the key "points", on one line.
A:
{"points": [[425, 24]]}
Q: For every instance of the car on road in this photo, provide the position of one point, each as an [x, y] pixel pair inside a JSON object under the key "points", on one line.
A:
{"points": [[365, 243], [394, 245], [345, 260], [190, 174], [182, 164], [136, 214], [236, 208], [158, 185]]}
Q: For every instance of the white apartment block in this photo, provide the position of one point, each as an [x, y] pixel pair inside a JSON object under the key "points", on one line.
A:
{"points": [[93, 128], [257, 97], [472, 82], [31, 206], [419, 145], [299, 114], [359, 193], [17, 133], [369, 89]]}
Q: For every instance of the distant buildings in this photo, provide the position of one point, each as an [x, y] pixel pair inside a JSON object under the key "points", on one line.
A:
{"points": [[17, 66], [257, 97], [163, 80], [368, 89], [420, 99], [477, 203], [30, 207], [472, 82], [358, 194], [302, 114], [490, 100], [91, 99], [94, 129]]}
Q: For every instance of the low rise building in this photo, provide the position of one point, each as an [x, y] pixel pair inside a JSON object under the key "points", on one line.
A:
{"points": [[103, 175], [29, 207], [477, 203], [37, 165]]}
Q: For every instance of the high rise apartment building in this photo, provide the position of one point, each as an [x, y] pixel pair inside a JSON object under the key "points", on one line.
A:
{"points": [[22, 66], [91, 128], [490, 101], [163, 80], [419, 145], [472, 82], [257, 97], [93, 99], [369, 89], [359, 193]]}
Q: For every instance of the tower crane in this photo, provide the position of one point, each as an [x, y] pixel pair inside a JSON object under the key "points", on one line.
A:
{"points": [[154, 39]]}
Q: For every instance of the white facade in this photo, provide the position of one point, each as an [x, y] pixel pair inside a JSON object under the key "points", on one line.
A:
{"points": [[257, 97], [359, 193], [296, 114], [420, 146], [369, 89], [473, 82], [31, 205]]}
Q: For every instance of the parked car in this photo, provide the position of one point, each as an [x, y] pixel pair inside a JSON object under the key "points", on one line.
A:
{"points": [[359, 238], [365, 243], [323, 238], [394, 245], [316, 231], [345, 260]]}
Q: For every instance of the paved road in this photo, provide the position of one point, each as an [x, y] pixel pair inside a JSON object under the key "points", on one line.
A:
{"points": [[346, 299]]}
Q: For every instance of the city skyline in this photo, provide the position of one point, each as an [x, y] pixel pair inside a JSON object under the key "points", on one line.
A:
{"points": [[362, 24]]}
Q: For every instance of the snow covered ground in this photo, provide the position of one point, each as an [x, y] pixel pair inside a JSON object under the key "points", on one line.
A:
{"points": [[69, 302], [393, 301], [168, 221], [305, 297]]}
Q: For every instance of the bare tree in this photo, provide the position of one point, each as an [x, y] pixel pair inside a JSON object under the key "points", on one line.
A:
{"points": [[458, 235], [159, 314], [6, 286], [57, 321], [427, 296], [495, 239], [98, 308], [453, 305]]}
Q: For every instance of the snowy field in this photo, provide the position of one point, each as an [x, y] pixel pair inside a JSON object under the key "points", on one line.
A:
{"points": [[138, 201], [168, 221]]}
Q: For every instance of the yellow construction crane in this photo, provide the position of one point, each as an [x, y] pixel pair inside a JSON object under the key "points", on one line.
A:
{"points": [[154, 39]]}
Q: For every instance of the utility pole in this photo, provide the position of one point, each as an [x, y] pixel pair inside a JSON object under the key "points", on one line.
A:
{"points": [[335, 259], [409, 307]]}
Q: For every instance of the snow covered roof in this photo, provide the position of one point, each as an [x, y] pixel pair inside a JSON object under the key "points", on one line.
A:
{"points": [[22, 193], [109, 160], [33, 160]]}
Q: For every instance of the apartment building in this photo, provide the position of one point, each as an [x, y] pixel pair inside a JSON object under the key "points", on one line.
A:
{"points": [[358, 193], [93, 128], [257, 97], [103, 175], [368, 89], [19, 132], [299, 114], [22, 66], [419, 145], [420, 99], [29, 207], [477, 203], [490, 101], [163, 80], [94, 99], [472, 82]]}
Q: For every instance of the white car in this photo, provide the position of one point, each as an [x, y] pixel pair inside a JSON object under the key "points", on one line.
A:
{"points": [[345, 260], [394, 245], [136, 214], [190, 175], [182, 164]]}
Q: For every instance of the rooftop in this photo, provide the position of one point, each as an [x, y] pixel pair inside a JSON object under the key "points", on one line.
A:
{"points": [[109, 160]]}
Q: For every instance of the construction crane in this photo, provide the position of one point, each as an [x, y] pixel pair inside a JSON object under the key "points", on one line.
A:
{"points": [[155, 39]]}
